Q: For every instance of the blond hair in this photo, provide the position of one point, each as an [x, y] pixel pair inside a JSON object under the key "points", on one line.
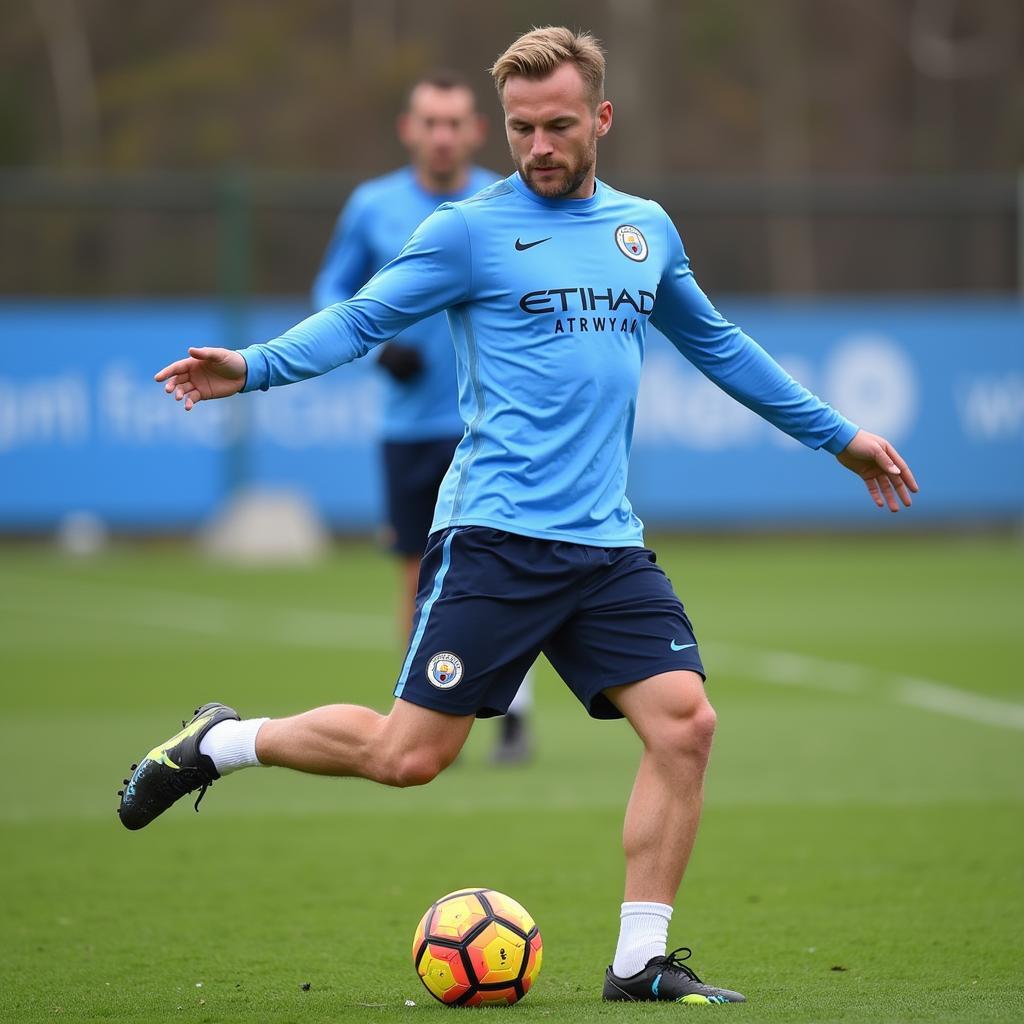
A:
{"points": [[537, 53]]}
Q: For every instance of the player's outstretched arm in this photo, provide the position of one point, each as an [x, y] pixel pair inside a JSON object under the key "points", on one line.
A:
{"points": [[206, 373], [882, 468]]}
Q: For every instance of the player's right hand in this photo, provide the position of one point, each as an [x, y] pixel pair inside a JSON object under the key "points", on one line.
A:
{"points": [[206, 373]]}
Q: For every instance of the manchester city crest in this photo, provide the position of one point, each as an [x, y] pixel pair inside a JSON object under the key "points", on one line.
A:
{"points": [[631, 242], [444, 670]]}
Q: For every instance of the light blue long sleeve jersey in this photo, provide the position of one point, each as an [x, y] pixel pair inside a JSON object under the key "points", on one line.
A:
{"points": [[376, 222], [548, 301]]}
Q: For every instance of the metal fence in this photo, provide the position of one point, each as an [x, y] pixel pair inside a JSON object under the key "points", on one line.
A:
{"points": [[237, 233]]}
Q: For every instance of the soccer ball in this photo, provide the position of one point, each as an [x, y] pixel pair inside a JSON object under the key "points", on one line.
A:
{"points": [[475, 947]]}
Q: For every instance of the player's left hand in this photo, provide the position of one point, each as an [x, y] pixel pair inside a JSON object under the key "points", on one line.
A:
{"points": [[882, 468]]}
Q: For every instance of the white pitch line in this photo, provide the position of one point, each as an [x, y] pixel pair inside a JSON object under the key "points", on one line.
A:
{"points": [[169, 617], [948, 700], [325, 628], [208, 616], [788, 668]]}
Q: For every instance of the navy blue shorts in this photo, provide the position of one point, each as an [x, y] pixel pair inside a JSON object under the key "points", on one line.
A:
{"points": [[489, 602], [413, 471]]}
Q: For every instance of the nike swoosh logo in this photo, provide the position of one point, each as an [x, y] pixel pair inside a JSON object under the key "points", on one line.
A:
{"points": [[680, 647], [523, 246]]}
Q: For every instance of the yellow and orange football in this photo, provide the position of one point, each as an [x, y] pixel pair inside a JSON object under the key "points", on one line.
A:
{"points": [[475, 947]]}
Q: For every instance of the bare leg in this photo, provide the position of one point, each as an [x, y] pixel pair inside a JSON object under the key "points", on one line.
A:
{"points": [[673, 718], [407, 747], [410, 578]]}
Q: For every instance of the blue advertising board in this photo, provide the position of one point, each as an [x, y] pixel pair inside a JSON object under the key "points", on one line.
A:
{"points": [[84, 428]]}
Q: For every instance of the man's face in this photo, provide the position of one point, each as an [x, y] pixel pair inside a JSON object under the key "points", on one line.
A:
{"points": [[441, 130], [553, 127]]}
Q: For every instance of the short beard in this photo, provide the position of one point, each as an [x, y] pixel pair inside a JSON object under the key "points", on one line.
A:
{"points": [[555, 191], [572, 182]]}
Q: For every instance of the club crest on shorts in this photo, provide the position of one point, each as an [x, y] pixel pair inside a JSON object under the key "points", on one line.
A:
{"points": [[631, 242], [444, 670]]}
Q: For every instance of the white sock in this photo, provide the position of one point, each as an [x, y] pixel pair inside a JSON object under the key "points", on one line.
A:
{"points": [[523, 700], [232, 745], [643, 933]]}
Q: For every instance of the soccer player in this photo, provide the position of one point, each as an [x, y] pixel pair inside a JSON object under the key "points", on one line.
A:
{"points": [[441, 129], [550, 278]]}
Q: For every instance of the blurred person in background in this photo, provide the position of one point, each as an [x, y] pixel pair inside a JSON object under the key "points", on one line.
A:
{"points": [[421, 427], [551, 278]]}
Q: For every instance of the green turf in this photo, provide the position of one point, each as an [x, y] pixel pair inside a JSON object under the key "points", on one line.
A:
{"points": [[861, 858]]}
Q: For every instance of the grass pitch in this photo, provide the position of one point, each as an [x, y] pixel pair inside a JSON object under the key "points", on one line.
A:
{"points": [[861, 858]]}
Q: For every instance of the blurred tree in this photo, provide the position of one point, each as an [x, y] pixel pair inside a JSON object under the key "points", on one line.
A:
{"points": [[74, 88], [706, 91], [875, 86]]}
